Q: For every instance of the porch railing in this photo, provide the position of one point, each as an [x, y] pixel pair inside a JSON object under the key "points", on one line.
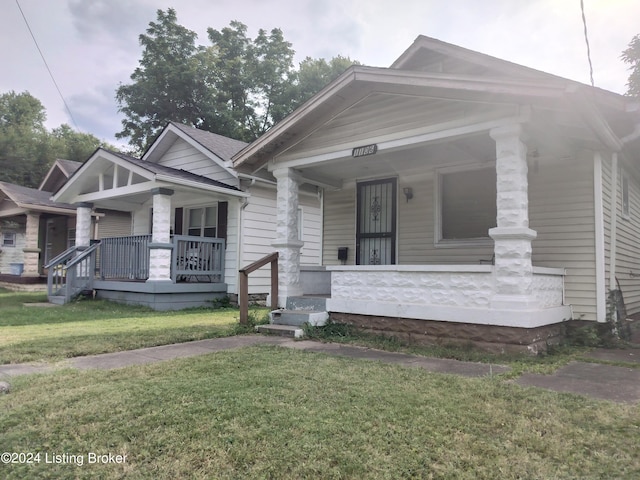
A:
{"points": [[193, 259], [72, 272], [197, 259], [124, 258], [243, 299]]}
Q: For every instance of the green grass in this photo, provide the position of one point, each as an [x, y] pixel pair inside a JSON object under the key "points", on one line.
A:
{"points": [[33, 334], [546, 363], [274, 413]]}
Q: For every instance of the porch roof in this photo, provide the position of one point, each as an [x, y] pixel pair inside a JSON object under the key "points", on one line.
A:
{"points": [[594, 115], [110, 175], [30, 199]]}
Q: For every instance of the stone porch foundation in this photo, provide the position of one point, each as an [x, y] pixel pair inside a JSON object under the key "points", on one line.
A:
{"points": [[495, 339]]}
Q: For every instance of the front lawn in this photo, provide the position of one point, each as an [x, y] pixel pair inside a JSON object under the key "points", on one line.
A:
{"points": [[33, 333], [275, 413]]}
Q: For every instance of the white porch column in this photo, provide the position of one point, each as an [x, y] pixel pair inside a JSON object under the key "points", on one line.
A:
{"points": [[160, 246], [287, 242], [512, 236], [31, 250], [83, 224]]}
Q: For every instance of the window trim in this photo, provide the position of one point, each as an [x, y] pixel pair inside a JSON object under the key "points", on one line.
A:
{"points": [[187, 220], [625, 206], [438, 241], [13, 236]]}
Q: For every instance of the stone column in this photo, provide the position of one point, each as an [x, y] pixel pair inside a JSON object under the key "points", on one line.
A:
{"points": [[512, 236], [31, 250], [160, 247], [287, 242], [83, 224]]}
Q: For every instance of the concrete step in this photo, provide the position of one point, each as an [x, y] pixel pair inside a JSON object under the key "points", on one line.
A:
{"points": [[57, 299], [298, 318], [281, 330], [318, 303]]}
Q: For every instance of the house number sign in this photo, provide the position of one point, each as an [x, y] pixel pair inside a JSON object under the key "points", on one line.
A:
{"points": [[365, 150]]}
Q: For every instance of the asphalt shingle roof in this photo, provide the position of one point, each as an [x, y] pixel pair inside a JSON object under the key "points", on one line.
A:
{"points": [[31, 196], [223, 147]]}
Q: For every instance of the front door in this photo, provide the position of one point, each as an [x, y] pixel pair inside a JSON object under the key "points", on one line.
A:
{"points": [[376, 229]]}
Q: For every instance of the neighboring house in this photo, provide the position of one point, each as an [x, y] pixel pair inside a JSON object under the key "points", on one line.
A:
{"points": [[195, 220], [465, 198], [33, 228]]}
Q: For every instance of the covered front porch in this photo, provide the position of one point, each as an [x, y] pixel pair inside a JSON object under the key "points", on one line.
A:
{"points": [[182, 238], [426, 209]]}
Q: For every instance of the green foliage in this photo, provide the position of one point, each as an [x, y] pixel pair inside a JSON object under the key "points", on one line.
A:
{"points": [[27, 149], [631, 56], [236, 86]]}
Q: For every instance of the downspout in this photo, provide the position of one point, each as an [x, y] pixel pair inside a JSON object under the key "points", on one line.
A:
{"points": [[601, 291], [613, 210], [243, 205]]}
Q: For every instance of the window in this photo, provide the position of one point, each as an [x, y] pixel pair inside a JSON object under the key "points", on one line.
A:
{"points": [[467, 204], [9, 239], [625, 196], [202, 222], [71, 238]]}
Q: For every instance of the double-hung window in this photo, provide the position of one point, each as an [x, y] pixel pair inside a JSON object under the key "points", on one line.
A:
{"points": [[202, 222]]}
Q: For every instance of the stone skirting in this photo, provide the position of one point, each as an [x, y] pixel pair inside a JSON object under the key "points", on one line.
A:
{"points": [[35, 286], [491, 338]]}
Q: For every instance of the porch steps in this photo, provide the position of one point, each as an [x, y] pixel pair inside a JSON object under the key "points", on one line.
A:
{"points": [[300, 311], [56, 299]]}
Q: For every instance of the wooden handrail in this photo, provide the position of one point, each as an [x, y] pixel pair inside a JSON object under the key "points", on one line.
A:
{"points": [[243, 299]]}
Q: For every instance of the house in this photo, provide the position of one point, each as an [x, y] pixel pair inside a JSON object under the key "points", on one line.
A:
{"points": [[33, 228], [465, 198], [195, 221]]}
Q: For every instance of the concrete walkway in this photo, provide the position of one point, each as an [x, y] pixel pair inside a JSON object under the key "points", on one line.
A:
{"points": [[615, 383]]}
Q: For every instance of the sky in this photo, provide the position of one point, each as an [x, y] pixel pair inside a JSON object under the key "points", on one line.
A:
{"points": [[91, 46]]}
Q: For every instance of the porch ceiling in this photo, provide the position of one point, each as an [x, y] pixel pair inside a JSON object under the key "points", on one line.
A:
{"points": [[478, 148]]}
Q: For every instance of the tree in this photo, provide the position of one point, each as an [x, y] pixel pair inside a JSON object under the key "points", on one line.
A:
{"points": [[166, 86], [631, 56], [315, 73], [236, 86], [23, 139], [252, 80], [28, 149]]}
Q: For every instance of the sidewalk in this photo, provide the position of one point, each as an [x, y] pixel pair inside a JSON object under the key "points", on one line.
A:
{"points": [[607, 382]]}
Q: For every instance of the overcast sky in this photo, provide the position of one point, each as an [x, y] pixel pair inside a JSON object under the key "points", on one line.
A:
{"points": [[91, 46]]}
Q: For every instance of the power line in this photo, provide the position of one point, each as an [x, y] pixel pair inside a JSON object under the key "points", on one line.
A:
{"points": [[586, 39], [47, 66]]}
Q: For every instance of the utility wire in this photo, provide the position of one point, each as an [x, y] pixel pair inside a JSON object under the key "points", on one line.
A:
{"points": [[586, 39], [47, 66]]}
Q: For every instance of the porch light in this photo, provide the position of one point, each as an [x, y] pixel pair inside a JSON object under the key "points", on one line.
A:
{"points": [[408, 192]]}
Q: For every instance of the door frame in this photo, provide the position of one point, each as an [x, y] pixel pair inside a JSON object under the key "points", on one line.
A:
{"points": [[394, 216]]}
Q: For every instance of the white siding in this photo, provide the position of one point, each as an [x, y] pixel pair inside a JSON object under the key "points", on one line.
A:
{"points": [[182, 155], [627, 237], [231, 252], [259, 231], [15, 254], [561, 211], [561, 206]]}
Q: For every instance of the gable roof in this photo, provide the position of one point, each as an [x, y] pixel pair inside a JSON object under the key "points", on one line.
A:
{"points": [[173, 173], [86, 181], [430, 68], [431, 54], [218, 148], [33, 199], [59, 172]]}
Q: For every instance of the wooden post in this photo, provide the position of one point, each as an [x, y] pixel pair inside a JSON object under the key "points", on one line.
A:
{"points": [[274, 283], [243, 296]]}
